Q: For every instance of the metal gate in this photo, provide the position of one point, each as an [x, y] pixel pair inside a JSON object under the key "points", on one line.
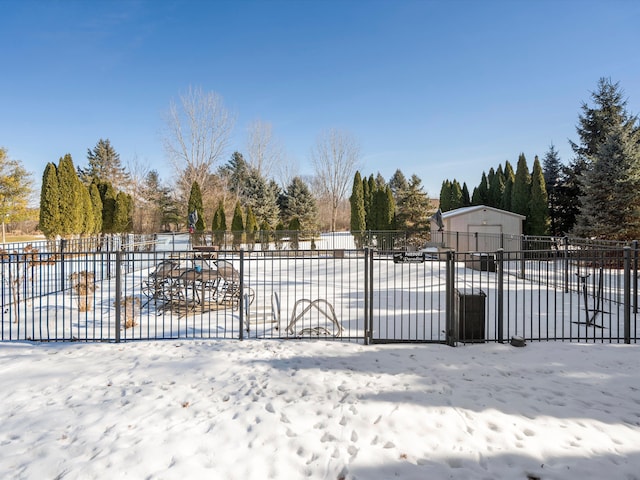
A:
{"points": [[409, 297]]}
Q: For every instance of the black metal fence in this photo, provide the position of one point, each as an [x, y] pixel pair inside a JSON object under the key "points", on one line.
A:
{"points": [[575, 293]]}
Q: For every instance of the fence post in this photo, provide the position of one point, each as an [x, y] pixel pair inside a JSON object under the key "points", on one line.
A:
{"points": [[63, 246], [627, 294], [241, 300], [118, 293], [635, 276], [500, 300], [451, 335], [566, 264], [367, 329]]}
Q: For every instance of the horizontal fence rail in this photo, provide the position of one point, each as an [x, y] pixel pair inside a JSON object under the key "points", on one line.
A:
{"points": [[176, 288]]}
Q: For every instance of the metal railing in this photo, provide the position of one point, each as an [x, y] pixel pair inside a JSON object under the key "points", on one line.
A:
{"points": [[571, 293]]}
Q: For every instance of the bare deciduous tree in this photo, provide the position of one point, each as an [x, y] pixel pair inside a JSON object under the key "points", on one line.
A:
{"points": [[197, 134], [264, 152], [335, 160]]}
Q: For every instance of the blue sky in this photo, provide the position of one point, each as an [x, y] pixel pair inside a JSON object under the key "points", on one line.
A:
{"points": [[442, 89]]}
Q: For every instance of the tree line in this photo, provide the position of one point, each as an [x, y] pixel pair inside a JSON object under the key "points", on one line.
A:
{"points": [[595, 195], [399, 204]]}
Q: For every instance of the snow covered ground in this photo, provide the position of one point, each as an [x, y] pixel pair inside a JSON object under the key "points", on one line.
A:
{"points": [[321, 410]]}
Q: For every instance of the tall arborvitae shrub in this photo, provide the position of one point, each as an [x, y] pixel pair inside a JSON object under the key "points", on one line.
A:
{"points": [[195, 204], [71, 214], [521, 194], [358, 225], [294, 233], [445, 196], [96, 207], [219, 224], [237, 226], [108, 198], [50, 202], [538, 205]]}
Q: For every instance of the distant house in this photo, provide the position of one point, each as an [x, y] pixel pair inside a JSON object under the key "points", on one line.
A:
{"points": [[478, 229]]}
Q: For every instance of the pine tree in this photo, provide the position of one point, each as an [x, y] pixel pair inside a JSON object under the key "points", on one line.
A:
{"points": [[413, 211], [50, 202], [358, 225], [298, 202], [521, 194], [538, 220], [262, 196], [611, 199], [398, 184], [554, 179], [237, 226], [594, 125], [104, 166]]}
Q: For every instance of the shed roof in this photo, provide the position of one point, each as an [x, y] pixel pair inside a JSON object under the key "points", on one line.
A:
{"points": [[475, 208]]}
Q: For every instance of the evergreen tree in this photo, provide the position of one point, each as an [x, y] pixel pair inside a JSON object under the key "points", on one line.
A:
{"points": [[521, 194], [445, 196], [594, 125], [294, 235], [509, 180], [121, 213], [237, 226], [358, 225], [382, 209], [466, 198], [481, 194], [50, 223], [262, 196], [369, 191], [96, 207], [195, 204], [236, 173], [538, 220], [219, 224], [413, 210], [611, 199], [71, 214], [251, 227], [398, 184], [88, 219], [496, 188], [490, 181], [108, 198], [456, 200], [104, 166], [554, 179], [298, 202]]}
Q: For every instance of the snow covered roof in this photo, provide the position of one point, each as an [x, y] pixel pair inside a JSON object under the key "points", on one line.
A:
{"points": [[475, 208]]}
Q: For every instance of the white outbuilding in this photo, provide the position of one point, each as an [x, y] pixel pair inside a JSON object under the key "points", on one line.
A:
{"points": [[478, 229]]}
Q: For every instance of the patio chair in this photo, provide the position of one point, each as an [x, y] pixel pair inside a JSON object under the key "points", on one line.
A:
{"points": [[227, 290], [157, 286]]}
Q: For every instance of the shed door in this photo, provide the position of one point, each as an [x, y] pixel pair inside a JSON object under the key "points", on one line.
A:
{"points": [[488, 237]]}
